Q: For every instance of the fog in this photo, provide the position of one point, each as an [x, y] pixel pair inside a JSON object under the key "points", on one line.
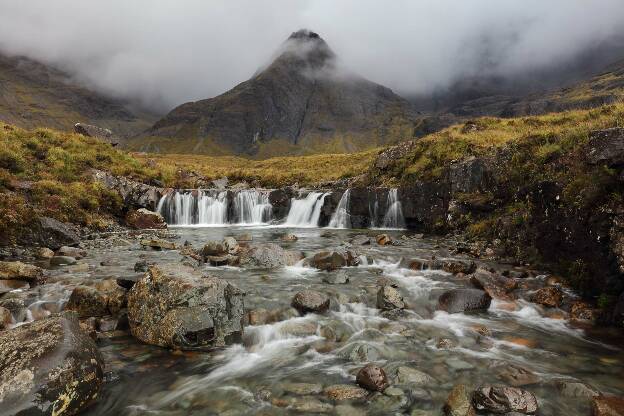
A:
{"points": [[164, 53]]}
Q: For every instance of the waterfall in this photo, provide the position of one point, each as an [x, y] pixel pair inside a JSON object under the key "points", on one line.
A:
{"points": [[373, 211], [212, 210], [306, 212], [252, 207], [178, 208], [341, 217], [394, 214]]}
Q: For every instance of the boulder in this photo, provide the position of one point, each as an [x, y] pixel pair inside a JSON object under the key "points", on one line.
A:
{"points": [[48, 232], [468, 176], [332, 260], [551, 296], [372, 378], [142, 219], [607, 406], [389, 298], [16, 270], [175, 306], [213, 248], [231, 245], [88, 301], [383, 239], [497, 286], [606, 147], [337, 277], [50, 366], [6, 318], [503, 399], [310, 301], [157, 244], [459, 403], [345, 392], [74, 252], [268, 255], [464, 300], [44, 253], [100, 133]]}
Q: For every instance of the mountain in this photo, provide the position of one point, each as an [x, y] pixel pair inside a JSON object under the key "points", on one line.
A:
{"points": [[36, 95], [303, 102]]}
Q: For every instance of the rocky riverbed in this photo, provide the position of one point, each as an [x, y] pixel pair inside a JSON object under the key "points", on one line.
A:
{"points": [[278, 321]]}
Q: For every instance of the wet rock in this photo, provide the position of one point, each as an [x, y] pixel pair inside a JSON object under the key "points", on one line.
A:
{"points": [[231, 245], [548, 296], [158, 244], [337, 277], [464, 300], [141, 266], [142, 219], [16, 270], [383, 239], [298, 328], [503, 399], [336, 330], [74, 252], [332, 260], [87, 301], [456, 266], [412, 376], [608, 406], [583, 311], [62, 261], [175, 306], [50, 366], [445, 344], [606, 147], [361, 352], [267, 255], [307, 405], [345, 392], [44, 253], [218, 260], [302, 389], [6, 318], [459, 403], [361, 240], [213, 248], [517, 376], [576, 389], [289, 237], [48, 232], [310, 301], [389, 298], [497, 286], [372, 378]]}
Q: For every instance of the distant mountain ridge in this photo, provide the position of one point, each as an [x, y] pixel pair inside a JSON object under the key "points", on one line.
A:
{"points": [[303, 102]]}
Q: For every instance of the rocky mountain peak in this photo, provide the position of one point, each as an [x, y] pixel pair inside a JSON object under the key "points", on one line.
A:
{"points": [[308, 48]]}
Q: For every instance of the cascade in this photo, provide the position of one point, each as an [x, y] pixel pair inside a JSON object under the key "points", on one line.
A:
{"points": [[307, 211], [341, 217], [394, 214], [252, 207]]}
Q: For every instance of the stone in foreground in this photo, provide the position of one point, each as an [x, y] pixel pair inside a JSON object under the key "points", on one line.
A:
{"points": [[50, 366], [310, 301], [458, 402], [464, 300], [174, 306], [372, 378], [16, 270], [503, 399]]}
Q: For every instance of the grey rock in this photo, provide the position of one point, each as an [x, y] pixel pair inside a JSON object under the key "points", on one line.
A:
{"points": [[606, 147], [267, 255], [389, 298], [413, 377], [503, 399], [464, 300], [62, 261], [337, 277], [310, 301]]}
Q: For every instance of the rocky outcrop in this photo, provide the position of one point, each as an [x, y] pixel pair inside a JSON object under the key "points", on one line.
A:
{"points": [[145, 219], [175, 306], [134, 194], [90, 130], [606, 147], [50, 367], [48, 232], [464, 300]]}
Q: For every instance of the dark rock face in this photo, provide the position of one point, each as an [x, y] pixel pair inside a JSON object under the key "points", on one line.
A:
{"points": [[48, 232], [297, 99], [50, 366], [280, 200], [372, 378], [469, 175], [464, 300], [134, 194], [606, 147], [425, 204], [174, 306], [501, 399], [145, 219], [310, 301]]}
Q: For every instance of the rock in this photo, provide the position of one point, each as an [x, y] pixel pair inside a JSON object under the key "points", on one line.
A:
{"points": [[44, 253], [383, 239], [468, 176], [62, 261], [16, 270], [372, 378], [583, 311], [548, 296], [231, 245], [332, 260], [361, 353], [337, 277], [289, 237], [345, 392], [87, 301], [141, 266], [246, 237], [607, 406], [268, 255], [457, 266], [464, 300], [498, 287], [50, 366], [74, 252], [142, 219], [213, 248], [218, 260], [302, 389], [90, 130], [445, 344], [517, 376], [606, 147], [408, 375], [158, 244], [389, 298], [503, 399], [458, 402], [310, 301], [175, 306], [361, 240], [54, 234], [6, 318], [576, 389]]}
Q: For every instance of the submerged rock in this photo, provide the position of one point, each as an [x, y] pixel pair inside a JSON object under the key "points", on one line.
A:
{"points": [[372, 378], [158, 244], [310, 301], [576, 389], [503, 399], [16, 270], [517, 376], [607, 406], [548, 296], [175, 306], [459, 402], [62, 261], [345, 392], [464, 300], [338, 277], [412, 376], [50, 366], [145, 219]]}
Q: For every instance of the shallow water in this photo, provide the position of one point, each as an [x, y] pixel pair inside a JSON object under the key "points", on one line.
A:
{"points": [[245, 379]]}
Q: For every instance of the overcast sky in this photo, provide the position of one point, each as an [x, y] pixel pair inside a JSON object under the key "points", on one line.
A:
{"points": [[168, 52]]}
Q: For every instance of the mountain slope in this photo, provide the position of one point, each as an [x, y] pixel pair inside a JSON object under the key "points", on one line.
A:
{"points": [[301, 103], [35, 95]]}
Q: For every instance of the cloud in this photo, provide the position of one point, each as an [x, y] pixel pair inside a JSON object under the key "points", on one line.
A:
{"points": [[164, 53]]}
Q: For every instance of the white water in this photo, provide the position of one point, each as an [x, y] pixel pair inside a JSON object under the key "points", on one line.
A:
{"points": [[307, 211], [252, 207], [341, 218], [394, 214], [212, 210]]}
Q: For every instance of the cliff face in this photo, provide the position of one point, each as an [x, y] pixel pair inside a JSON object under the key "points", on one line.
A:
{"points": [[301, 103]]}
